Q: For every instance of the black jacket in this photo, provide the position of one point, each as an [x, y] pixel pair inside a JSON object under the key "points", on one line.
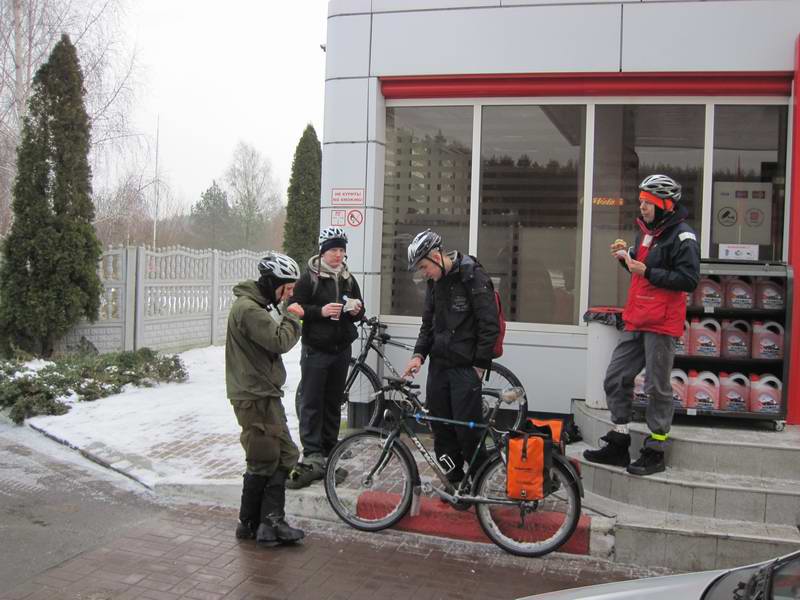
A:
{"points": [[459, 322], [673, 261], [323, 333]]}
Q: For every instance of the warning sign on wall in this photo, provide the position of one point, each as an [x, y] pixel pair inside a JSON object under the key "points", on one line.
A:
{"points": [[347, 197], [338, 217], [355, 218], [742, 212]]}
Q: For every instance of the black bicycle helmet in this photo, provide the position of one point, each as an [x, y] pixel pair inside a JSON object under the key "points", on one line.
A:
{"points": [[662, 186], [279, 267], [421, 246]]}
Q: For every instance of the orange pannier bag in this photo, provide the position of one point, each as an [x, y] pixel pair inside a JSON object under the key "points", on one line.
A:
{"points": [[530, 459], [556, 430]]}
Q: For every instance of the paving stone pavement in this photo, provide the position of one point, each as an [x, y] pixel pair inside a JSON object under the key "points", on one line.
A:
{"points": [[192, 553]]}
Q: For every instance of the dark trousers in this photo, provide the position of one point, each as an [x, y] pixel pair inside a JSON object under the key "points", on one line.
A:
{"points": [[455, 393], [637, 349], [319, 398]]}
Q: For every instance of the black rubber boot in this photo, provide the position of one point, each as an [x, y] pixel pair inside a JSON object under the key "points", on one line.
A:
{"points": [[250, 509], [650, 461], [273, 528], [614, 453]]}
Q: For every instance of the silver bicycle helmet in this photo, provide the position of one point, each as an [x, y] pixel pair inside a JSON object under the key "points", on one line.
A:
{"points": [[279, 266], [662, 186], [421, 246]]}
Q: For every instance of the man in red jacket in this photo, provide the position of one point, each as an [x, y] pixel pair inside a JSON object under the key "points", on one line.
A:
{"points": [[664, 264]]}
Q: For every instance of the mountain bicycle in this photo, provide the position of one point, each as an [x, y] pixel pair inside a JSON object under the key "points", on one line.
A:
{"points": [[363, 386], [372, 479]]}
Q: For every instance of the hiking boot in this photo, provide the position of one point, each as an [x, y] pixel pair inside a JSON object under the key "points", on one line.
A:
{"points": [[340, 475], [285, 533], [304, 475], [246, 531], [273, 528], [614, 453], [650, 461]]}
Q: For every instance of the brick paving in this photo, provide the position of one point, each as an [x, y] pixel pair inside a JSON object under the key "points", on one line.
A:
{"points": [[192, 553]]}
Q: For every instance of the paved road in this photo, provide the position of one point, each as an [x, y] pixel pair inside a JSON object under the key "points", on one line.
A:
{"points": [[79, 532], [55, 508]]}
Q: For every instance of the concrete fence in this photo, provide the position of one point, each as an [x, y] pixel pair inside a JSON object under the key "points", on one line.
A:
{"points": [[169, 299]]}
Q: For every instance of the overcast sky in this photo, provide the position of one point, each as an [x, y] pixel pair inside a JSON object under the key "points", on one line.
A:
{"points": [[214, 73]]}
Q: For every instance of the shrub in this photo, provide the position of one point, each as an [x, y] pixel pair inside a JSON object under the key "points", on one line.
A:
{"points": [[81, 377]]}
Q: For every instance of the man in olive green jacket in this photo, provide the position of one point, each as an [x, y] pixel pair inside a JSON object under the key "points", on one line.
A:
{"points": [[261, 327]]}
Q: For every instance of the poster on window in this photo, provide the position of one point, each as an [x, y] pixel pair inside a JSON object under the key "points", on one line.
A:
{"points": [[742, 212]]}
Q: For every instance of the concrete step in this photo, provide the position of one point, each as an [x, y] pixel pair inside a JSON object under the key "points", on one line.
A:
{"points": [[688, 542], [724, 447], [681, 491]]}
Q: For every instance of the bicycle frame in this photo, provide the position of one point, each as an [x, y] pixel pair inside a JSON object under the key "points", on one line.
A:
{"points": [[374, 341], [419, 415]]}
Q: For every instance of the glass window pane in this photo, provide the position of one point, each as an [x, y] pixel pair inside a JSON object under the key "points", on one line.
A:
{"points": [[630, 143], [530, 217], [427, 178], [749, 180]]}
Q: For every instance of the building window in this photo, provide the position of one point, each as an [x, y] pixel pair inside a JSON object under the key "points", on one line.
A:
{"points": [[530, 218], [427, 179], [749, 186], [632, 142]]}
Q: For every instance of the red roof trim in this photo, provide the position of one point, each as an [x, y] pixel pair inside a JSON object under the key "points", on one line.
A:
{"points": [[766, 83]]}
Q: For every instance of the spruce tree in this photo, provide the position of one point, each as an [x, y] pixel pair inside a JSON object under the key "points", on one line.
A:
{"points": [[301, 232], [49, 279], [211, 217]]}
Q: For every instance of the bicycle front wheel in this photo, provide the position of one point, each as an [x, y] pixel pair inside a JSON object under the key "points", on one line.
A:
{"points": [[369, 488], [362, 393], [514, 415], [529, 528]]}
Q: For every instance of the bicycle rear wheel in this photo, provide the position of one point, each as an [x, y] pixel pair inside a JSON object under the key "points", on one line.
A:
{"points": [[509, 416], [369, 489], [362, 391], [531, 528]]}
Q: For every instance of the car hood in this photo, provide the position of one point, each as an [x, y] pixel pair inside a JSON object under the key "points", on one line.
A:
{"points": [[688, 587]]}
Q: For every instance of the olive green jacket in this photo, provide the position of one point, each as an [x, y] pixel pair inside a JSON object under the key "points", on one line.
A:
{"points": [[258, 333]]}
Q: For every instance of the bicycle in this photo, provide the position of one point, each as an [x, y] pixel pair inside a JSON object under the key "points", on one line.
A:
{"points": [[372, 480], [363, 386]]}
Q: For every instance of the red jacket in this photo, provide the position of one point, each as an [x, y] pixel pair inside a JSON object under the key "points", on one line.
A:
{"points": [[657, 300]]}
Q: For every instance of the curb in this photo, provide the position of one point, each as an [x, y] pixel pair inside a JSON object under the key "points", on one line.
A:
{"points": [[593, 536]]}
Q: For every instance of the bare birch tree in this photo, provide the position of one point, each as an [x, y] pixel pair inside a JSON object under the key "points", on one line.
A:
{"points": [[28, 31], [253, 192]]}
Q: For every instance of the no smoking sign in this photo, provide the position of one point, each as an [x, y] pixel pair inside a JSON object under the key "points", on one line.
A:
{"points": [[355, 218]]}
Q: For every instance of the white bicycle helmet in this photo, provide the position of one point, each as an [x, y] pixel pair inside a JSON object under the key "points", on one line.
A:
{"points": [[279, 266], [332, 233], [421, 246], [662, 186]]}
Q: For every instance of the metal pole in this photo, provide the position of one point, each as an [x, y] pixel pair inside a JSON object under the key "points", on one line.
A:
{"points": [[155, 218]]}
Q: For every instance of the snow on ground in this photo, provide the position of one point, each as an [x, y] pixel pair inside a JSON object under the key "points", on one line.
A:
{"points": [[173, 431]]}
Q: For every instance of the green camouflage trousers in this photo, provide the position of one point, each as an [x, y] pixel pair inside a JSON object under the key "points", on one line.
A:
{"points": [[265, 436]]}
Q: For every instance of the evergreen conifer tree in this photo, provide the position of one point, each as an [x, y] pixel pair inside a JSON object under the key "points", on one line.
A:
{"points": [[301, 231], [211, 217], [49, 279]]}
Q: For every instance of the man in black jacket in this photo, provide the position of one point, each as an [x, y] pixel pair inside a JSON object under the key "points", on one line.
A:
{"points": [[459, 328], [323, 292]]}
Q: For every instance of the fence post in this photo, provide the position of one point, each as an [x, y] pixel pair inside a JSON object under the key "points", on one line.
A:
{"points": [[130, 299], [141, 268], [214, 299]]}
